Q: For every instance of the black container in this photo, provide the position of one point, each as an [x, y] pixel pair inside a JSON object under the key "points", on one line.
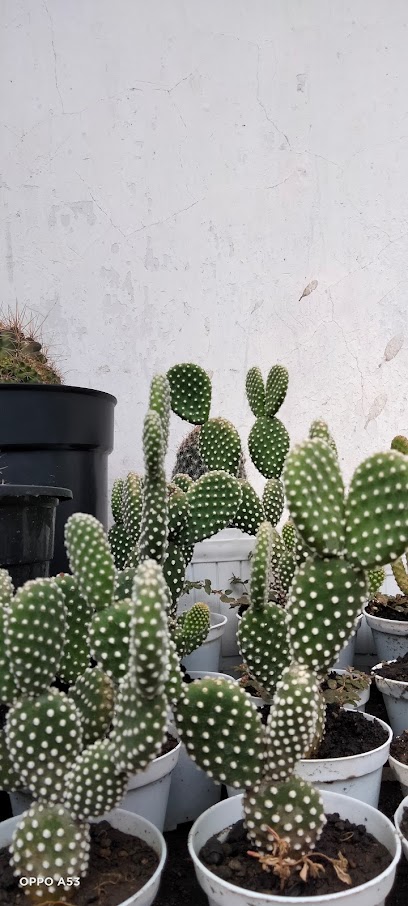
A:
{"points": [[27, 529], [59, 436]]}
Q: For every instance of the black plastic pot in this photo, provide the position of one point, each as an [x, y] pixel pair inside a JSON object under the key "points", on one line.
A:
{"points": [[61, 437], [27, 529]]}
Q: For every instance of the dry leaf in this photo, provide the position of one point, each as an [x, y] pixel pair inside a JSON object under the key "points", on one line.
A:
{"points": [[309, 288], [340, 866], [376, 408], [392, 348]]}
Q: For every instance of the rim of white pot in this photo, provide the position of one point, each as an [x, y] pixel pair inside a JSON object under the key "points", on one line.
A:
{"points": [[400, 769], [381, 624], [157, 768], [397, 820], [218, 622], [329, 800], [353, 763], [382, 682]]}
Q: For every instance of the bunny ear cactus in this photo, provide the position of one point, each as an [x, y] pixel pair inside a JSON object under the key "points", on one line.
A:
{"points": [[376, 578], [212, 502], [250, 512], [220, 445], [90, 559], [320, 429], [400, 443], [273, 500], [268, 440], [190, 389], [191, 629]]}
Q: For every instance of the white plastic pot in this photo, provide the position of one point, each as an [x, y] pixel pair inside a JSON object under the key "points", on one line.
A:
{"points": [[347, 654], [390, 636], [207, 656], [222, 893], [395, 694], [362, 699], [128, 824], [400, 771], [148, 793], [397, 819], [191, 790]]}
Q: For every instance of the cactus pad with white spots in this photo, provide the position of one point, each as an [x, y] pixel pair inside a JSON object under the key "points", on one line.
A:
{"points": [[182, 481], [94, 697], [94, 785], [260, 565], [268, 445], [292, 720], [400, 574], [124, 583], [250, 512], [292, 808], [148, 657], [120, 544], [320, 429], [213, 501], [190, 389], [90, 559], [109, 638], [192, 628], [35, 623], [9, 778], [160, 402], [315, 494], [132, 506], [275, 389], [117, 500], [376, 510], [174, 570], [255, 391], [139, 727], [220, 446], [273, 500], [76, 653], [153, 531], [263, 644], [6, 588]]}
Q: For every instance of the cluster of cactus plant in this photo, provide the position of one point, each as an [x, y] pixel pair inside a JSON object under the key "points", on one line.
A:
{"points": [[344, 537], [22, 357]]}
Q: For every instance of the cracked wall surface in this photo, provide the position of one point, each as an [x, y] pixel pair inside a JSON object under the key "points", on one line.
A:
{"points": [[173, 176]]}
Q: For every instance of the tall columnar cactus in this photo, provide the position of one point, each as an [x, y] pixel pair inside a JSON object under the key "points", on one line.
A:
{"points": [[345, 538]]}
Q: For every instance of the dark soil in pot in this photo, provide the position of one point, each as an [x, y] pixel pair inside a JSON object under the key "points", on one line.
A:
{"points": [[346, 733], [404, 823], [389, 607], [169, 744], [119, 866], [399, 748], [366, 859], [397, 670]]}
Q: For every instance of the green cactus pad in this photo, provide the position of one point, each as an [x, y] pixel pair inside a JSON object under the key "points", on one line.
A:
{"points": [[174, 570], [175, 683], [6, 588], [132, 506], [9, 778], [48, 843], [149, 630], [153, 446], [400, 443], [178, 512], [213, 501], [76, 653], [263, 644], [124, 584], [94, 697], [222, 731], [319, 429], [268, 445], [117, 500], [8, 686], [120, 544], [293, 809], [220, 446], [283, 564], [109, 638], [376, 510], [182, 481], [133, 559], [139, 727], [94, 785], [315, 494], [326, 598], [153, 532], [273, 500], [35, 625], [276, 389], [250, 512], [160, 402], [400, 576], [190, 389], [292, 720], [90, 559], [260, 566], [44, 736], [376, 578], [255, 390], [192, 628], [289, 535]]}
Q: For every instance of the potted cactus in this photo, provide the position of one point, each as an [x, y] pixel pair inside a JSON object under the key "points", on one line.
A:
{"points": [[51, 433], [284, 815]]}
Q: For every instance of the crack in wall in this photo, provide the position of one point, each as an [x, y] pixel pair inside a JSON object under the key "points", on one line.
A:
{"points": [[54, 55]]}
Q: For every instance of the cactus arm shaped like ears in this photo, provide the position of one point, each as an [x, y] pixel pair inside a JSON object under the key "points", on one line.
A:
{"points": [[76, 654], [35, 625], [190, 389], [160, 402], [260, 568], [315, 494], [120, 544], [293, 808], [94, 785], [222, 731], [117, 501], [273, 500], [376, 510], [276, 389], [263, 644], [178, 512], [182, 481], [325, 600], [292, 720], [66, 853], [212, 501], [268, 445], [400, 575], [174, 570], [132, 506], [250, 512], [90, 559], [9, 778], [148, 649], [375, 578], [109, 638], [191, 629], [255, 391], [139, 727], [94, 697], [6, 588], [320, 429], [220, 445], [44, 736], [400, 443]]}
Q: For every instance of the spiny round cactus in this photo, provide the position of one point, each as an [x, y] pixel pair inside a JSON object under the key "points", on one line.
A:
{"points": [[35, 623], [275, 389], [212, 501], [160, 402], [132, 506], [76, 654], [268, 445], [117, 500], [376, 577], [378, 495], [222, 731], [315, 494], [139, 727], [273, 500], [255, 390], [49, 843], [22, 357], [148, 658], [190, 389], [400, 443], [94, 697], [109, 638], [220, 445], [44, 736], [90, 559], [292, 808], [94, 785], [192, 628], [263, 644], [182, 480], [292, 720], [250, 512], [320, 429]]}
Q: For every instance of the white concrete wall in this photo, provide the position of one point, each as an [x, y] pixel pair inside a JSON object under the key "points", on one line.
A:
{"points": [[175, 172]]}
